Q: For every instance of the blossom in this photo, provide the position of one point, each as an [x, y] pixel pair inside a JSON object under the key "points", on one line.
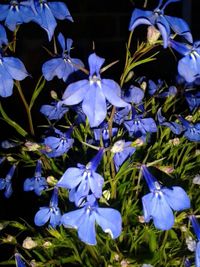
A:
{"points": [[56, 146], [55, 111], [196, 228], [85, 218], [161, 21], [191, 130], [189, 64], [134, 95], [16, 13], [48, 12], [3, 36], [64, 65], [19, 261], [5, 183], [10, 68], [122, 150], [159, 203], [193, 100], [102, 133], [94, 92], [36, 183], [83, 180], [51, 213]]}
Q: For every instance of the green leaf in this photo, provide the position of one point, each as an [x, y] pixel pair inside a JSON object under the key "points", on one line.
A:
{"points": [[40, 85]]}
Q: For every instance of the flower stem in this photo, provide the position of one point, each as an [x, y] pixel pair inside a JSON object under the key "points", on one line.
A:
{"points": [[28, 111]]}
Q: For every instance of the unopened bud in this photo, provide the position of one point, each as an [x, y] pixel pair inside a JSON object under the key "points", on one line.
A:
{"points": [[29, 243], [54, 94], [152, 35]]}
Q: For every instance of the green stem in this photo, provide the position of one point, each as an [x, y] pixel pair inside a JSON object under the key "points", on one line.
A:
{"points": [[28, 111]]}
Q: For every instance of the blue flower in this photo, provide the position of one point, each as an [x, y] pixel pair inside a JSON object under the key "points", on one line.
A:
{"points": [[160, 202], [10, 68], [3, 36], [196, 228], [193, 100], [121, 115], [55, 111], [94, 92], [83, 180], [189, 64], [36, 183], [56, 146], [48, 12], [64, 65], [6, 184], [163, 22], [134, 95], [51, 213], [191, 130], [18, 260], [16, 13], [122, 150], [102, 133], [85, 219]]}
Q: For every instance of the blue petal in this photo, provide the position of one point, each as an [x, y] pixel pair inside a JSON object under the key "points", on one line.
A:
{"points": [[112, 92], [95, 62], [149, 125], [197, 255], [18, 260], [156, 207], [182, 48], [134, 95], [53, 67], [8, 190], [40, 185], [195, 226], [139, 17], [61, 40], [188, 68], [4, 9], [96, 183], [73, 219], [2, 183], [176, 128], [81, 192], [3, 36], [193, 133], [6, 82], [177, 198], [164, 29], [60, 10], [55, 218], [29, 184], [109, 220], [42, 216], [94, 105], [15, 68], [75, 92], [86, 230], [13, 19], [71, 178]]}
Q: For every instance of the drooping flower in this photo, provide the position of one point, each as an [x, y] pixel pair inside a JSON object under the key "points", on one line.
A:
{"points": [[57, 144], [94, 92], [196, 228], [48, 12], [122, 150], [83, 180], [51, 213], [159, 203], [161, 21], [37, 183], [64, 65], [18, 260], [10, 68], [16, 13], [190, 130], [189, 64], [85, 219], [55, 111], [6, 183]]}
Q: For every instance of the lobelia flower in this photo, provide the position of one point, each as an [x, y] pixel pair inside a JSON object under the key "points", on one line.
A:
{"points": [[161, 21], [10, 68], [160, 202], [51, 213], [18, 260], [56, 146], [3, 36], [63, 65], [122, 150], [191, 130], [133, 95], [121, 115], [6, 184], [193, 100], [48, 12], [94, 92], [139, 126], [16, 13], [102, 133], [196, 228], [55, 111], [83, 180], [85, 219], [36, 183], [189, 64], [154, 87]]}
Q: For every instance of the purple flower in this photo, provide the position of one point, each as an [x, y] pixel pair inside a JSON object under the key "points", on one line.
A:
{"points": [[55, 111], [94, 92], [56, 146], [19, 261], [83, 180], [64, 65], [51, 213], [36, 183], [122, 150], [48, 12], [161, 21], [5, 183], [160, 202], [85, 219]]}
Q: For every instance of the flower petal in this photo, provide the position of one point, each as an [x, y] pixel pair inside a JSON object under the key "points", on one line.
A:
{"points": [[42, 216], [75, 92], [71, 178]]}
